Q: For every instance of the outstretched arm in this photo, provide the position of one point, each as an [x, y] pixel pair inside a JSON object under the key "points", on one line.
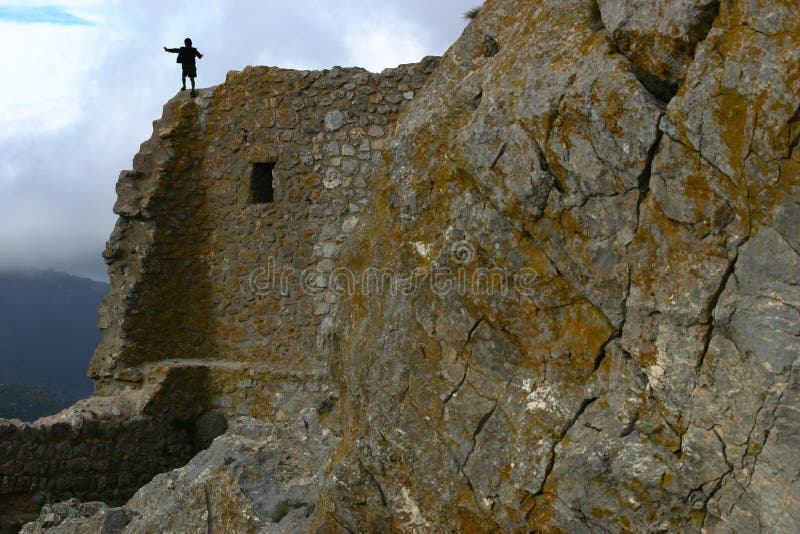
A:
{"points": [[197, 52], [173, 50]]}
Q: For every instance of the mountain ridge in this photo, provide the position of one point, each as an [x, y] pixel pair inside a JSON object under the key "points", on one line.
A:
{"points": [[48, 330]]}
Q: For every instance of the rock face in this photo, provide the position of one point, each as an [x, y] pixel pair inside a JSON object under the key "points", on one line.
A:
{"points": [[603, 329], [568, 302]]}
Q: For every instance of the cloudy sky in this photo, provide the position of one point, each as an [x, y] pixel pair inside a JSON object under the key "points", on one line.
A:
{"points": [[84, 79]]}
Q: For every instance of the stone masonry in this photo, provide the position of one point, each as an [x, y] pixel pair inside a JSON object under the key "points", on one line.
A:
{"points": [[202, 277], [88, 451]]}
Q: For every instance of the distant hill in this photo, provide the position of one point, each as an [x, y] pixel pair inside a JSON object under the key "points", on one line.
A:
{"points": [[48, 333], [29, 402]]}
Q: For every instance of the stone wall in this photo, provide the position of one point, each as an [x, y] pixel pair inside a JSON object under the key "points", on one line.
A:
{"points": [[218, 305], [97, 450], [201, 276]]}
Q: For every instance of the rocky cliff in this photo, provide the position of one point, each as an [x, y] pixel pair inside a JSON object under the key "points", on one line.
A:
{"points": [[567, 303], [608, 194]]}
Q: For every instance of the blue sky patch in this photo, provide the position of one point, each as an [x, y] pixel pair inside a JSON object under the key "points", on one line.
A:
{"points": [[41, 15]]}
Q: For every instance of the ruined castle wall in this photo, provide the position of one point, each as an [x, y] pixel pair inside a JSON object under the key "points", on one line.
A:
{"points": [[95, 451], [95, 460], [203, 277], [218, 303]]}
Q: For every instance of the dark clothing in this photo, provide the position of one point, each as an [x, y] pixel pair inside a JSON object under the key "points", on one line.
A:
{"points": [[186, 57], [190, 70]]}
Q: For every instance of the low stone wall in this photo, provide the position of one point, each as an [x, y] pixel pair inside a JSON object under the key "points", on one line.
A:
{"points": [[91, 452]]}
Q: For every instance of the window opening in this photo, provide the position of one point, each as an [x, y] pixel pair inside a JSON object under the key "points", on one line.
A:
{"points": [[261, 188]]}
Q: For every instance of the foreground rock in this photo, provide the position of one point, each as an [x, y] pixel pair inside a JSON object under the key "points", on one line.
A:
{"points": [[259, 477], [603, 329]]}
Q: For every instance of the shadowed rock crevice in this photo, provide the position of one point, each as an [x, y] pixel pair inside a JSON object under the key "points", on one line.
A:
{"points": [[477, 432], [794, 133], [706, 494], [596, 16], [209, 512], [643, 180], [499, 155], [476, 100], [458, 386], [659, 38], [490, 46], [601, 356], [663, 90], [379, 488], [700, 29], [756, 446]]}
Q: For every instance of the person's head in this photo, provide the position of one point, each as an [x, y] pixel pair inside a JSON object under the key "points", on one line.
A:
{"points": [[187, 42]]}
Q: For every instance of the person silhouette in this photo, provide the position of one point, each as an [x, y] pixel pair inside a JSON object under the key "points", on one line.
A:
{"points": [[186, 55]]}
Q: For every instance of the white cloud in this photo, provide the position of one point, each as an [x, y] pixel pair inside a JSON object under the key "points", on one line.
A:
{"points": [[376, 45], [43, 90]]}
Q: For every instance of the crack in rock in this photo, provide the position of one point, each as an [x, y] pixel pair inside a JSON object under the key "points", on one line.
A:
{"points": [[719, 482], [564, 431], [644, 178], [379, 488], [463, 380], [458, 386], [478, 430], [729, 271], [209, 513]]}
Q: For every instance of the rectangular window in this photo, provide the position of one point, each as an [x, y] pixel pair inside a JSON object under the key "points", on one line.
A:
{"points": [[261, 189]]}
